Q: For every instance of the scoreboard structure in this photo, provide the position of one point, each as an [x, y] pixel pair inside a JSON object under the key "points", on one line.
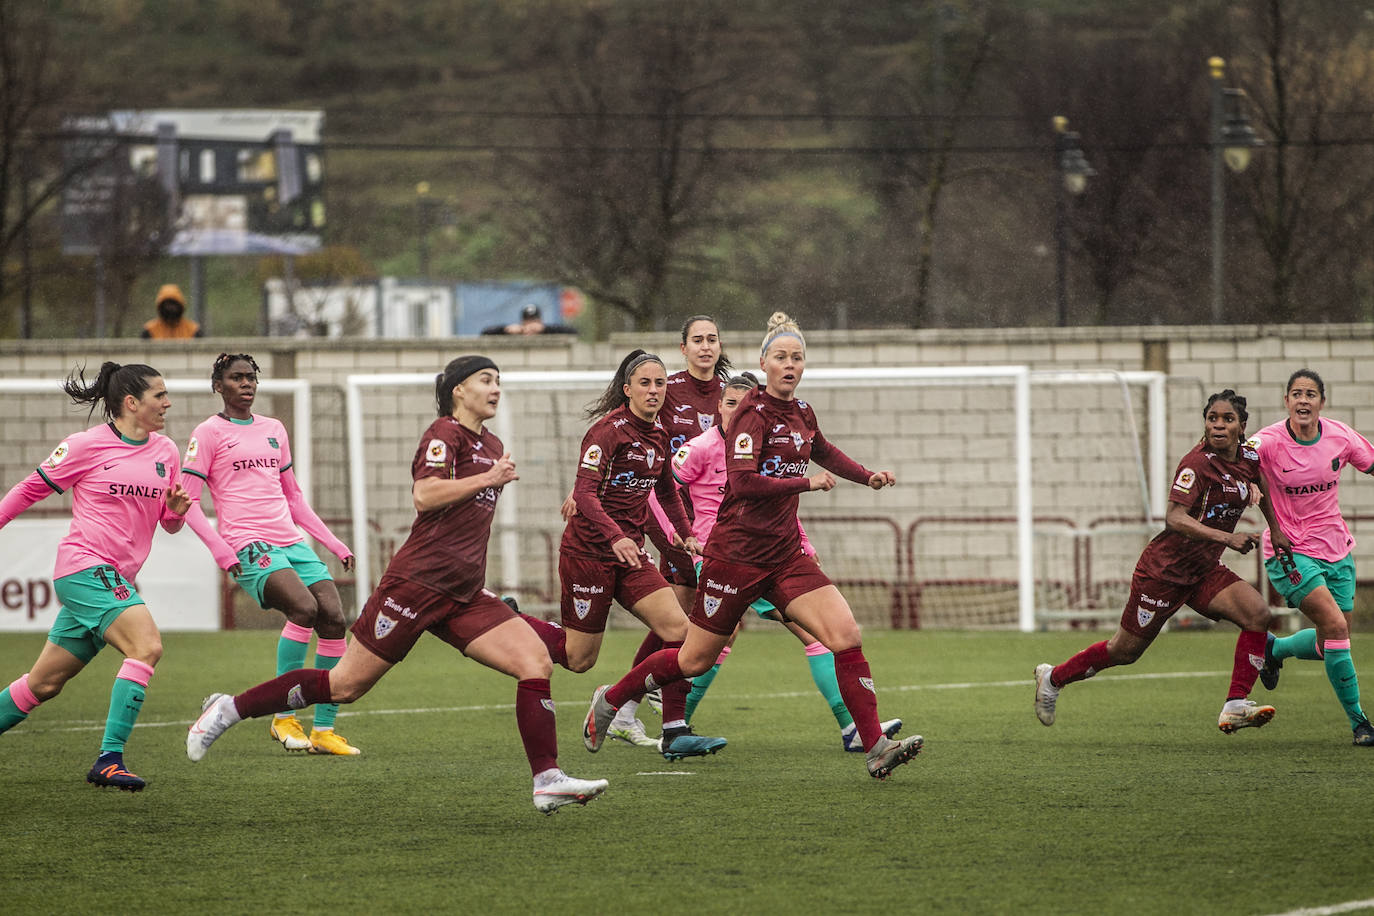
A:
{"points": [[234, 181]]}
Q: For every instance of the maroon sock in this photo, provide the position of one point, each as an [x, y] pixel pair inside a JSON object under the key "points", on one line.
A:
{"points": [[856, 689], [534, 717], [554, 636], [649, 646], [1083, 665], [658, 670], [293, 690], [675, 692], [1249, 660]]}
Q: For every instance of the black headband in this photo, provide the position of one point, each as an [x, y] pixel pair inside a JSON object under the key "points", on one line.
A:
{"points": [[640, 360], [464, 366]]}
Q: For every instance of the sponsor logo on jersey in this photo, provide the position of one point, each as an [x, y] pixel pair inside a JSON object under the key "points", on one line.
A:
{"points": [[588, 589], [383, 626], [437, 452], [582, 607], [680, 457], [721, 587], [1186, 478], [744, 445], [710, 604], [1310, 489], [681, 408], [57, 455], [1143, 617], [403, 611], [192, 450], [591, 458]]}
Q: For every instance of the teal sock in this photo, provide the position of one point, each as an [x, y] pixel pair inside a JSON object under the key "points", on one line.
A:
{"points": [[10, 713], [699, 685], [823, 673], [291, 657], [1340, 671], [325, 712], [126, 702], [1302, 644]]}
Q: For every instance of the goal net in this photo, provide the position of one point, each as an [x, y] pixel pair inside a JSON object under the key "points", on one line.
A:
{"points": [[1003, 476]]}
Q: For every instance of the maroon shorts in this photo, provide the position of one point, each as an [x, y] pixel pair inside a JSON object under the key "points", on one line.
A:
{"points": [[725, 590], [1153, 602], [589, 585], [400, 611]]}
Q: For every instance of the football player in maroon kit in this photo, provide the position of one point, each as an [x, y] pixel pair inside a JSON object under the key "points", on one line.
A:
{"points": [[755, 551], [435, 584], [624, 455], [1213, 486], [690, 405]]}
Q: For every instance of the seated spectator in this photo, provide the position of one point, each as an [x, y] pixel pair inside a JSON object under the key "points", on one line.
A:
{"points": [[171, 322], [531, 322]]}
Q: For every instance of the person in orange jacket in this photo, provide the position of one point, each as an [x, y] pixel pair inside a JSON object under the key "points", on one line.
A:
{"points": [[171, 322]]}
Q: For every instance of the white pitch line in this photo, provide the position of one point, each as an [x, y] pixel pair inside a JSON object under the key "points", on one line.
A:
{"points": [[92, 725], [1347, 907], [664, 773]]}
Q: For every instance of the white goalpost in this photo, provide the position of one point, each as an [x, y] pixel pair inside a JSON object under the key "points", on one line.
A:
{"points": [[981, 454]]}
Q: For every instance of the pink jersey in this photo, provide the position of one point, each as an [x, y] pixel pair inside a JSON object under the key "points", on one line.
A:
{"points": [[247, 465], [1304, 479], [119, 494], [699, 465]]}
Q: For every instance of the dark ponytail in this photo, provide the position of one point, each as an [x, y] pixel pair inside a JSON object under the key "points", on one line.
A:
{"points": [[614, 395], [722, 368], [111, 386], [458, 369]]}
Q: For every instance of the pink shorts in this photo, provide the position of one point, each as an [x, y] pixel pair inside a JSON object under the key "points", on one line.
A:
{"points": [[725, 590], [589, 585], [1153, 602], [399, 612]]}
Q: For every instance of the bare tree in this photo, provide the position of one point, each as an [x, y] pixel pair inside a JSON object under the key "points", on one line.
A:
{"points": [[621, 199]]}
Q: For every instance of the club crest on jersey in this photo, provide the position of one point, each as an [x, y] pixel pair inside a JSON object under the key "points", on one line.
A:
{"points": [[710, 604], [383, 626], [1335, 464], [706, 421], [744, 445], [797, 440], [1186, 478], [1143, 617], [591, 458], [161, 468], [192, 449], [649, 457], [1244, 490], [437, 452], [57, 455], [582, 607], [272, 442]]}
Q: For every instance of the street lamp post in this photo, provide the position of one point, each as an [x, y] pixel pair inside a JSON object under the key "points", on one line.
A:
{"points": [[1073, 172], [1231, 138]]}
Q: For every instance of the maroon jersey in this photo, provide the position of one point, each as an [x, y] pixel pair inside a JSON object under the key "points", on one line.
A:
{"points": [[447, 548], [1216, 492], [689, 407], [623, 458], [767, 451]]}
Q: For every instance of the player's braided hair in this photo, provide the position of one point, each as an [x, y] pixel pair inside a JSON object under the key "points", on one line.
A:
{"points": [[223, 361], [110, 387], [1236, 400]]}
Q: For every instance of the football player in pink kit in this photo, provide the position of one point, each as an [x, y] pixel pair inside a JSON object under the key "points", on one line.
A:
{"points": [[124, 482], [1302, 457], [755, 551], [600, 559], [700, 466], [435, 584], [245, 458], [1213, 486]]}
